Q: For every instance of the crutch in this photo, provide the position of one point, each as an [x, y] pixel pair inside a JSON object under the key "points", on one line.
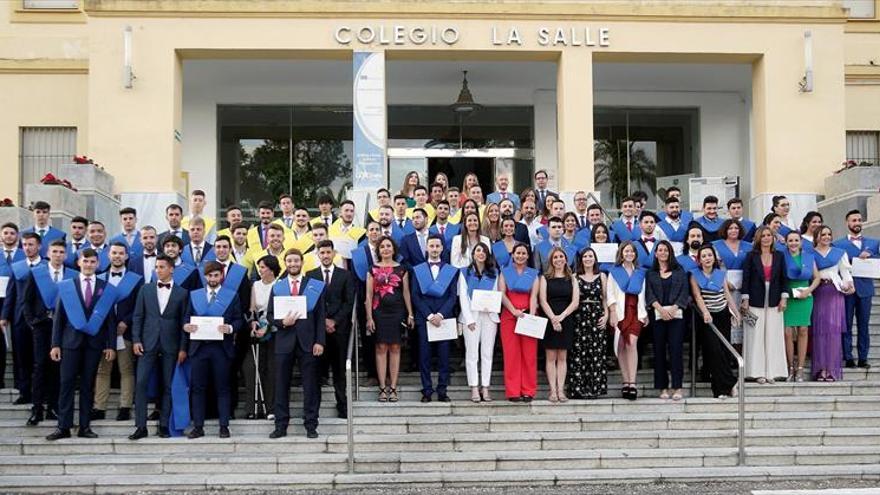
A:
{"points": [[259, 396]]}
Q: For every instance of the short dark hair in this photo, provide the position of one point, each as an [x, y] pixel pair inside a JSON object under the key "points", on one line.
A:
{"points": [[275, 226], [541, 171], [41, 205], [319, 225], [128, 210], [325, 199], [120, 244], [672, 200], [9, 225], [420, 210], [383, 190], [239, 225], [443, 202], [325, 243], [271, 263], [79, 219], [710, 199], [420, 187], [725, 226], [284, 196], [293, 251], [734, 201], [232, 208], [265, 205], [58, 243], [627, 199], [648, 213], [173, 206], [852, 212], [671, 189], [437, 184], [172, 239], [164, 257], [32, 235], [98, 222], [554, 219], [213, 266], [347, 202], [197, 192], [223, 238], [436, 237], [88, 253], [399, 196], [594, 206]]}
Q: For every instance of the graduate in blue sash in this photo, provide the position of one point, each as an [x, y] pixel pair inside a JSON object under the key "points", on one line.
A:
{"points": [[161, 310], [542, 250], [130, 235], [442, 226], [479, 327], [502, 248], [673, 193], [572, 235], [300, 337], [519, 287], [674, 224], [778, 229], [212, 359], [803, 278], [433, 300], [197, 250], [186, 275], [781, 206], [829, 315], [127, 284], [13, 316], [627, 313], [688, 260], [83, 331], [41, 292], [41, 227], [10, 254], [97, 237], [626, 228], [812, 221], [730, 246], [709, 221], [735, 210], [647, 241]]}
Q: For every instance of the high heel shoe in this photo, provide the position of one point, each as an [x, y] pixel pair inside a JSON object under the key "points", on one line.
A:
{"points": [[383, 395], [486, 396], [799, 375], [792, 374], [392, 395], [475, 394]]}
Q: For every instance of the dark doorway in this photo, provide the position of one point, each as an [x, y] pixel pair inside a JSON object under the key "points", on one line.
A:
{"points": [[457, 168]]}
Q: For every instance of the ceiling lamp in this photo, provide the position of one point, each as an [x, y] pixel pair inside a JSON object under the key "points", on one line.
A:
{"points": [[465, 103]]}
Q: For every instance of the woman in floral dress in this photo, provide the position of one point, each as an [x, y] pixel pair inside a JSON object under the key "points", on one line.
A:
{"points": [[587, 375]]}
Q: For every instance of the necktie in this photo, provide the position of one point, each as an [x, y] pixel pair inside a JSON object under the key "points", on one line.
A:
{"points": [[164, 286], [327, 221], [402, 223], [443, 230], [77, 245], [265, 237], [629, 225], [326, 276], [88, 292], [8, 256], [42, 233], [503, 195], [198, 254], [212, 297], [112, 274], [583, 221], [57, 276], [288, 222], [541, 196], [294, 287]]}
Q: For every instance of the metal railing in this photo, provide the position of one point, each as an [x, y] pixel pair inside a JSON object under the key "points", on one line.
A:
{"points": [[351, 361], [592, 196], [740, 380]]}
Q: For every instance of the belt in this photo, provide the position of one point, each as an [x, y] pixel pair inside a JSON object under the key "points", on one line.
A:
{"points": [[589, 301]]}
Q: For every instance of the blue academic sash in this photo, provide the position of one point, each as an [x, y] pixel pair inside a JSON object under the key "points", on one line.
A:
{"points": [[784, 230], [672, 234], [582, 239], [646, 259], [125, 286], [199, 299], [802, 271], [76, 314], [519, 282], [452, 230], [499, 251], [630, 284], [360, 261], [234, 275], [833, 257], [687, 262], [473, 282], [21, 269], [47, 287], [181, 273], [748, 227], [715, 282], [312, 291], [621, 233], [732, 261], [180, 417], [431, 286], [710, 225], [544, 248]]}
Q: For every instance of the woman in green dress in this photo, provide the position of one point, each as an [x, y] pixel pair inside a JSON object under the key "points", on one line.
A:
{"points": [[803, 278]]}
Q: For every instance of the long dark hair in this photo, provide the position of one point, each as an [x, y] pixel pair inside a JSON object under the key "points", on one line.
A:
{"points": [[714, 254], [464, 232], [672, 264], [597, 227], [580, 268], [805, 223], [489, 268]]}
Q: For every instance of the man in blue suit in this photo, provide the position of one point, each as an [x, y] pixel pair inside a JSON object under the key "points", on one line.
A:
{"points": [[41, 292], [10, 254], [414, 246], [161, 310], [858, 305], [503, 184], [41, 227], [197, 250], [211, 359], [129, 235], [300, 337], [434, 296], [626, 228], [174, 217], [401, 223], [82, 332], [13, 316]]}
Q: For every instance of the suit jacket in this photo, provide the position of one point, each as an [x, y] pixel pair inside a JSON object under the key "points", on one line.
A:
{"points": [[424, 305], [679, 292], [339, 296], [495, 197], [521, 234], [35, 310], [753, 279], [67, 337], [864, 286], [14, 302], [125, 306], [157, 330], [184, 235], [232, 316], [540, 201], [51, 234], [305, 333], [411, 250]]}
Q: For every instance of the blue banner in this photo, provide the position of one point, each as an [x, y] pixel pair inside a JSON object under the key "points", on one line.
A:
{"points": [[369, 121]]}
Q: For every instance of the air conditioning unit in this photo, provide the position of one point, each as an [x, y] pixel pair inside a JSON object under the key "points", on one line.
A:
{"points": [[724, 188]]}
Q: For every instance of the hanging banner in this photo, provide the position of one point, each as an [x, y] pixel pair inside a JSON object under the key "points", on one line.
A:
{"points": [[369, 120]]}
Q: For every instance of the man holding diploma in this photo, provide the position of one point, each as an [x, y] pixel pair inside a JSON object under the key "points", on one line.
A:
{"points": [[213, 357], [300, 337], [433, 298]]}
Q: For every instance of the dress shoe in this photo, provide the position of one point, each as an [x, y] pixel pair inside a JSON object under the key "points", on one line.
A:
{"points": [[342, 414], [515, 399], [58, 434], [224, 432], [154, 415], [97, 414], [86, 433], [527, 398], [124, 414], [163, 432], [850, 363], [51, 415], [426, 398], [864, 364], [251, 416], [36, 417], [21, 399], [443, 398], [138, 434], [196, 432], [311, 433], [278, 433]]}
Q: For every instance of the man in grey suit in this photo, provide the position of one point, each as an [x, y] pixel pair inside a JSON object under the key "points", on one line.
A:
{"points": [[161, 310], [541, 191]]}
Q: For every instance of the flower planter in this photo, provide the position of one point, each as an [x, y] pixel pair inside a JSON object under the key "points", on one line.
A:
{"points": [[87, 178], [853, 180], [17, 215], [65, 203]]}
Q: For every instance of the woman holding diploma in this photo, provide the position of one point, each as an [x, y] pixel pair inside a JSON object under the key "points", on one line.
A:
{"points": [[599, 234], [588, 377], [502, 248], [732, 251], [388, 307], [835, 274], [667, 294], [800, 268], [480, 327], [627, 314], [519, 285], [559, 296], [712, 294], [464, 243]]}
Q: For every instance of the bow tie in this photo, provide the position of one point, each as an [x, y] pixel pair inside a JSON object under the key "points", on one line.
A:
{"points": [[434, 263], [115, 274], [147, 255], [649, 239], [164, 286]]}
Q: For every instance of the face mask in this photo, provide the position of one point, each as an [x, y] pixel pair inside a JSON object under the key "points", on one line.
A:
{"points": [[695, 245]]}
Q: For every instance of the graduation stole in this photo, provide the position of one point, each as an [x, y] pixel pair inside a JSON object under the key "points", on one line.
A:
{"points": [[125, 286], [499, 251], [181, 273], [714, 282], [582, 239], [199, 299], [21, 269], [76, 314], [799, 271], [312, 291], [428, 285], [732, 261], [630, 284], [621, 233], [833, 257], [646, 259], [747, 225], [519, 282], [47, 287], [686, 261], [360, 260], [234, 275], [475, 282], [671, 233], [709, 225]]}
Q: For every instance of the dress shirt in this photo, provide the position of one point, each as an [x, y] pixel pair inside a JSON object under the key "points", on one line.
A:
{"points": [[114, 281], [423, 240], [149, 266], [164, 293], [435, 268], [327, 276], [57, 273], [856, 239], [34, 262]]}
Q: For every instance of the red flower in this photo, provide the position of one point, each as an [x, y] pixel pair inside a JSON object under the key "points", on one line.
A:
{"points": [[384, 283], [6, 203], [49, 179], [83, 160]]}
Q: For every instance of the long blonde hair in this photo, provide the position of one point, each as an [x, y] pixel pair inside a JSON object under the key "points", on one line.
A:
{"points": [[490, 229], [550, 270]]}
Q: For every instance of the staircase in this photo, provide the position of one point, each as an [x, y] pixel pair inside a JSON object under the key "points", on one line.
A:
{"points": [[807, 430]]}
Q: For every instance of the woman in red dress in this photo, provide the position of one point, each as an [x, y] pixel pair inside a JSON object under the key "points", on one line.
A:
{"points": [[519, 288]]}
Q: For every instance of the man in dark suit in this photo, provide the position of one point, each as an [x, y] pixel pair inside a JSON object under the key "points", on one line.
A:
{"points": [[186, 275], [339, 301], [197, 250], [41, 227], [541, 191], [213, 357], [174, 216], [40, 294], [84, 327], [160, 311], [299, 338], [10, 253], [144, 263], [13, 318], [414, 245]]}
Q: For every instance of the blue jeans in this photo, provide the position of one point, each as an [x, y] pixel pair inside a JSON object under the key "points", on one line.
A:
{"points": [[860, 309]]}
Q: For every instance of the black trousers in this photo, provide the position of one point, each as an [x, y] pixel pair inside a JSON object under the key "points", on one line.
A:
{"points": [[213, 365], [308, 369], [22, 356], [715, 356], [668, 335], [335, 353], [79, 363], [144, 368], [45, 377]]}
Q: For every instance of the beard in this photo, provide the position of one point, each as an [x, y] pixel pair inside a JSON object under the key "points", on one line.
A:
{"points": [[856, 229]]}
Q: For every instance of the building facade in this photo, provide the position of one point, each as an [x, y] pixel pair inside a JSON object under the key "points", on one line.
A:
{"points": [[247, 99]]}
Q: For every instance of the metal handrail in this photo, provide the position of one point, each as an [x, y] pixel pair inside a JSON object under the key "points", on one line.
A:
{"points": [[349, 407], [592, 196], [741, 395]]}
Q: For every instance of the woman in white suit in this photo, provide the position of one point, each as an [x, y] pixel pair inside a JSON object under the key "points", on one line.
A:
{"points": [[464, 243], [626, 312], [479, 327]]}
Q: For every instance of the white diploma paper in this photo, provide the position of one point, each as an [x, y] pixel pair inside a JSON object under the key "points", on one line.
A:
{"points": [[677, 314], [799, 292], [209, 328], [448, 330], [488, 301], [285, 305], [531, 326], [344, 246], [866, 268], [4, 284], [605, 252], [735, 278]]}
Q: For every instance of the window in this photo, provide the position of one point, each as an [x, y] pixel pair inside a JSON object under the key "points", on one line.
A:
{"points": [[863, 147], [51, 4], [860, 9], [42, 150]]}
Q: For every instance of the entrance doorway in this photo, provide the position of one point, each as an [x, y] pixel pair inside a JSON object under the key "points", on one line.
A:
{"points": [[456, 169]]}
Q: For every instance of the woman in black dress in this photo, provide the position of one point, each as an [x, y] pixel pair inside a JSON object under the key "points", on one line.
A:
{"points": [[388, 307], [558, 296], [588, 376]]}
